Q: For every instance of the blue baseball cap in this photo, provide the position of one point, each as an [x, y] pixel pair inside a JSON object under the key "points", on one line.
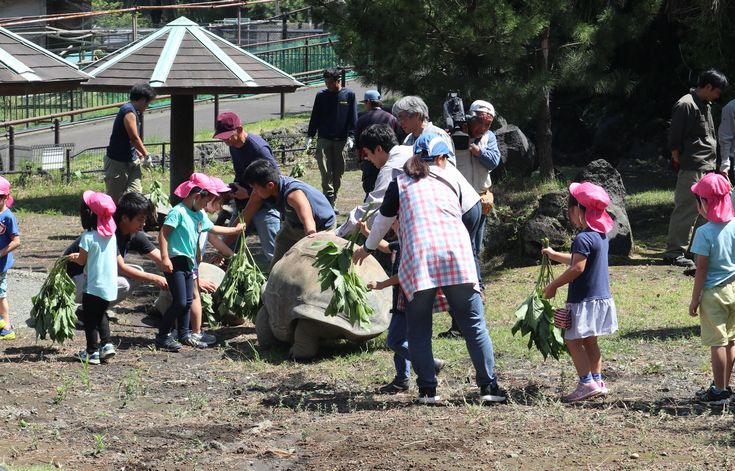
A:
{"points": [[431, 145], [372, 95]]}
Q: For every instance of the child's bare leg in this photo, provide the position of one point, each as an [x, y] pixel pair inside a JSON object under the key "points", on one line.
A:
{"points": [[719, 365], [579, 356], [730, 361], [196, 310], [5, 312], [593, 354]]}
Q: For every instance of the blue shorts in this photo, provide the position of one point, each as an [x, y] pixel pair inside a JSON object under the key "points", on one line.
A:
{"points": [[3, 285]]}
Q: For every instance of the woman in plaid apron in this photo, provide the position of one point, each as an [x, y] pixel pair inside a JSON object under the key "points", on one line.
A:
{"points": [[436, 253]]}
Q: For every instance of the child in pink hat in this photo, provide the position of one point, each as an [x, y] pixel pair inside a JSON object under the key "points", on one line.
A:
{"points": [[9, 241], [589, 300], [98, 254], [180, 253], [713, 295]]}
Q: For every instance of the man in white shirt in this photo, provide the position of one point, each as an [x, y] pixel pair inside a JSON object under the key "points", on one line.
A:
{"points": [[381, 148]]}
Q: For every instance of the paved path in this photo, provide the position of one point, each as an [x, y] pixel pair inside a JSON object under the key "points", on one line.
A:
{"points": [[157, 123]]}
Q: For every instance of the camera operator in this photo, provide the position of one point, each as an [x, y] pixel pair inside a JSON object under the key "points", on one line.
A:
{"points": [[483, 155]]}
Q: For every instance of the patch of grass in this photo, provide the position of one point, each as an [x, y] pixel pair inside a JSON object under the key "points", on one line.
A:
{"points": [[62, 391]]}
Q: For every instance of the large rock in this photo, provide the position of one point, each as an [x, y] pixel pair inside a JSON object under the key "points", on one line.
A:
{"points": [[517, 153], [551, 220], [548, 220], [294, 304], [600, 172]]}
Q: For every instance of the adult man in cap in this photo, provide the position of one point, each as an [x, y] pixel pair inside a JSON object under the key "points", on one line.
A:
{"points": [[374, 114], [693, 145], [483, 155], [246, 148], [333, 119]]}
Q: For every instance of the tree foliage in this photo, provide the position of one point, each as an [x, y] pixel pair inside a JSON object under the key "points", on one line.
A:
{"points": [[514, 53]]}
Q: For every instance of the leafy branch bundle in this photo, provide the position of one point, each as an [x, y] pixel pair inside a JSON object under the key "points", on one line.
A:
{"points": [[239, 291], [158, 197], [337, 271], [535, 316], [54, 306]]}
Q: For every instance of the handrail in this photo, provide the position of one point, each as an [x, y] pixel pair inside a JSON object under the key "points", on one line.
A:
{"points": [[68, 113], [265, 43]]}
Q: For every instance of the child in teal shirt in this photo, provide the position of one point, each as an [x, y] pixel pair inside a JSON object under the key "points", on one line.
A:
{"points": [[179, 251], [98, 254]]}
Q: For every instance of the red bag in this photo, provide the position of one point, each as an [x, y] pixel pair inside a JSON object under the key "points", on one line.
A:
{"points": [[563, 318]]}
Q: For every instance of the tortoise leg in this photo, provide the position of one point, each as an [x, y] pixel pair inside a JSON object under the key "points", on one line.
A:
{"points": [[263, 331], [306, 340]]}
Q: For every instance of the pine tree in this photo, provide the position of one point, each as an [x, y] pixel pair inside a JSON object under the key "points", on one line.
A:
{"points": [[514, 53]]}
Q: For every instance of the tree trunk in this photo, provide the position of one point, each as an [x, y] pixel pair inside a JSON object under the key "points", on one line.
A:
{"points": [[543, 117], [543, 138]]}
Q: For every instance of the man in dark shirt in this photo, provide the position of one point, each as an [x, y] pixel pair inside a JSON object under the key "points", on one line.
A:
{"points": [[374, 115], [333, 119], [130, 216], [245, 149], [126, 150], [693, 145]]}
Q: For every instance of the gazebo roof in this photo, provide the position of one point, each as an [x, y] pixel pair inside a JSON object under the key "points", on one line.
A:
{"points": [[26, 67], [182, 58]]}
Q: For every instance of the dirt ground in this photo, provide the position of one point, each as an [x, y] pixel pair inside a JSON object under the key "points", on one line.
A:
{"points": [[237, 407]]}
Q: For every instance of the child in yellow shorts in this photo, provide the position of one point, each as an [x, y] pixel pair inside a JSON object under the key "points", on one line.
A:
{"points": [[713, 295]]}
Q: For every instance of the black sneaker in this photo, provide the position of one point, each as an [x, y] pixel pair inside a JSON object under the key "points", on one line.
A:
{"points": [[438, 365], [393, 388], [680, 261], [450, 334], [492, 393], [428, 396], [167, 343], [710, 396]]}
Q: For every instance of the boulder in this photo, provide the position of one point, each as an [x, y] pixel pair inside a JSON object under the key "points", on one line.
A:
{"points": [[600, 172], [548, 220], [517, 153]]}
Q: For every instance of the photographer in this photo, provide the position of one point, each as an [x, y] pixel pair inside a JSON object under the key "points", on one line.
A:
{"points": [[483, 155]]}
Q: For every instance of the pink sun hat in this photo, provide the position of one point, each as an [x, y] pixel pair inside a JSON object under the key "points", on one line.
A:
{"points": [[595, 199], [104, 208], [715, 189], [195, 180], [5, 190], [220, 186]]}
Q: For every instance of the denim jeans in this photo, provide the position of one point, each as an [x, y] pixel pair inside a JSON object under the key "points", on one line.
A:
{"points": [[267, 222], [397, 342], [480, 237], [471, 220], [468, 311], [181, 286]]}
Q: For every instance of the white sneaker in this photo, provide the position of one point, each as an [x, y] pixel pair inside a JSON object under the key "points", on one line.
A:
{"points": [[107, 351], [204, 337]]}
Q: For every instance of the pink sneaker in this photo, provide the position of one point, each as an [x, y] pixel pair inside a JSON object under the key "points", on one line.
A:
{"points": [[583, 391], [603, 388]]}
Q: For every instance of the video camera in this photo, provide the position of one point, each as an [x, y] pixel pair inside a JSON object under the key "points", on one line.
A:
{"points": [[455, 117]]}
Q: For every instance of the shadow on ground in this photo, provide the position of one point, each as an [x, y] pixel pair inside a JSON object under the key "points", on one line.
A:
{"points": [[663, 334]]}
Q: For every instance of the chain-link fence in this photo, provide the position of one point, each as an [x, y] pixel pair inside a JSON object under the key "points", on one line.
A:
{"points": [[63, 159]]}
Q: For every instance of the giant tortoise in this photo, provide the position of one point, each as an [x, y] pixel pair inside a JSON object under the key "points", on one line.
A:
{"points": [[294, 304]]}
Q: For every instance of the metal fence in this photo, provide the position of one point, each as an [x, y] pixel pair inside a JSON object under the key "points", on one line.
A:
{"points": [[63, 160]]}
